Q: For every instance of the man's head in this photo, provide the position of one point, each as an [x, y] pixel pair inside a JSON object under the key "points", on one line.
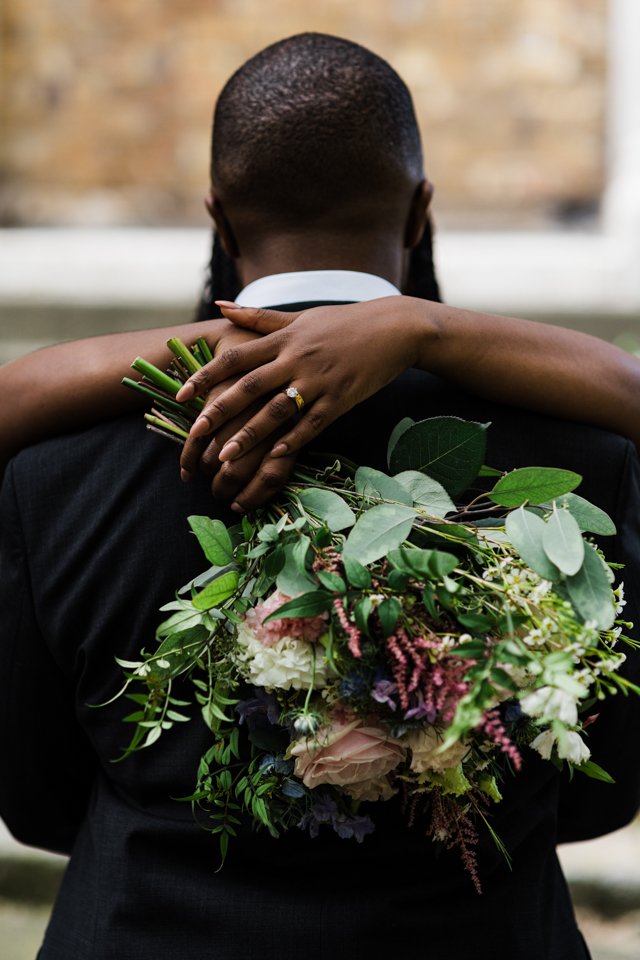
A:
{"points": [[316, 137]]}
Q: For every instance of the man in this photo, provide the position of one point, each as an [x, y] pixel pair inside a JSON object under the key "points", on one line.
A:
{"points": [[317, 165]]}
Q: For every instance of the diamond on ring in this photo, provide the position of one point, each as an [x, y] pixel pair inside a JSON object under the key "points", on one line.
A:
{"points": [[293, 394]]}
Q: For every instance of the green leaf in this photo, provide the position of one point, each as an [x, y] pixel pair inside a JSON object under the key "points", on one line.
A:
{"points": [[476, 622], [389, 613], [446, 448], [216, 592], [525, 531], [177, 649], [594, 771], [396, 433], [533, 485], [432, 564], [214, 539], [426, 492], [588, 517], [308, 605], [357, 575], [590, 591], [377, 485], [562, 542], [293, 578], [378, 531], [332, 581], [362, 611], [328, 506]]}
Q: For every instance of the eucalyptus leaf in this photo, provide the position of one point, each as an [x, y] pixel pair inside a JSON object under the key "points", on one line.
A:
{"points": [[590, 591], [293, 579], [533, 485], [589, 518], [328, 506], [216, 592], [562, 542], [396, 433], [214, 539], [426, 492], [379, 530], [448, 449], [526, 531], [378, 485]]}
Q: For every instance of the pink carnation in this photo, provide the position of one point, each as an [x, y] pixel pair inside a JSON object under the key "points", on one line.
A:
{"points": [[297, 628]]}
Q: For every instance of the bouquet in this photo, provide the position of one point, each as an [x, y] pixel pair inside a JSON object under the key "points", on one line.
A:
{"points": [[376, 634]]}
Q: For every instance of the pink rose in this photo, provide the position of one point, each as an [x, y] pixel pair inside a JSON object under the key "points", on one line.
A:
{"points": [[348, 753]]}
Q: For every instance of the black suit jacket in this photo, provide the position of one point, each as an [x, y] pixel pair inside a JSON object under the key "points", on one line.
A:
{"points": [[94, 539]]}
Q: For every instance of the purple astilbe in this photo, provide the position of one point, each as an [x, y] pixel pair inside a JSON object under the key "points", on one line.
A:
{"points": [[441, 683]]}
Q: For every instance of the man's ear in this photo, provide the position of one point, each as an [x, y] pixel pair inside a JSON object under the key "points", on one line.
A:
{"points": [[223, 227], [418, 214]]}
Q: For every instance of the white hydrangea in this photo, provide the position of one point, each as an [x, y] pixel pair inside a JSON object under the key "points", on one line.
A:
{"points": [[286, 664]]}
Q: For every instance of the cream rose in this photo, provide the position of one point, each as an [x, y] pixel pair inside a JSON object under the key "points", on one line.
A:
{"points": [[426, 754], [348, 755]]}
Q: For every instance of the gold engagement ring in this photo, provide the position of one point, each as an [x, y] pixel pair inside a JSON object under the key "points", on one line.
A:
{"points": [[292, 392]]}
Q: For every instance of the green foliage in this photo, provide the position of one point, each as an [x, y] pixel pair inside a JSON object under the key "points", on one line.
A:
{"points": [[329, 507], [533, 485], [447, 449], [214, 539], [378, 531]]}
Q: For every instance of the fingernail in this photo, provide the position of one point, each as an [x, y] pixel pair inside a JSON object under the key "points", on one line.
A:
{"points": [[228, 305], [279, 450], [236, 507], [229, 451], [185, 392], [201, 427], [185, 475]]}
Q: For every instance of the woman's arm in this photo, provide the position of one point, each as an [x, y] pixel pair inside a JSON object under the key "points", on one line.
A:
{"points": [[73, 385], [338, 356]]}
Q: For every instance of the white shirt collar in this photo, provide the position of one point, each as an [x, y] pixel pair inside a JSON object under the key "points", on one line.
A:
{"points": [[310, 286]]}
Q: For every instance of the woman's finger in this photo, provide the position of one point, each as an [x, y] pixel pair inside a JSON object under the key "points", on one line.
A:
{"points": [[257, 318], [271, 418], [270, 477], [225, 405], [229, 363]]}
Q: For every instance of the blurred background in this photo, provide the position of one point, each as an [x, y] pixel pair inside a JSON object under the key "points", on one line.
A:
{"points": [[530, 115]]}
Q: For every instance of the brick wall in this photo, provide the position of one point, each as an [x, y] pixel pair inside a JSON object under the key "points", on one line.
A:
{"points": [[106, 105]]}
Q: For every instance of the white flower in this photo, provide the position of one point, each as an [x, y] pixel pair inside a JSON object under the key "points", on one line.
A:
{"points": [[552, 704], [621, 602], [288, 663], [572, 747], [543, 743]]}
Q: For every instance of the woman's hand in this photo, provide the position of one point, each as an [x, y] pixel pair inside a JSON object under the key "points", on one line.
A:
{"points": [[250, 480], [334, 356]]}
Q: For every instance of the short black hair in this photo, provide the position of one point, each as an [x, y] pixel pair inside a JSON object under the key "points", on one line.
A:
{"points": [[312, 121]]}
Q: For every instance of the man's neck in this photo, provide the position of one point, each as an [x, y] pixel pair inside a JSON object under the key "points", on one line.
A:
{"points": [[296, 253]]}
